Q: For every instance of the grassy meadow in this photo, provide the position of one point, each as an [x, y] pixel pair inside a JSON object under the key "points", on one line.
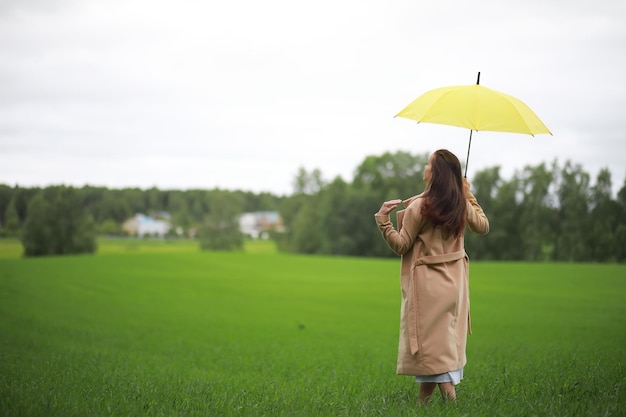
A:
{"points": [[162, 329]]}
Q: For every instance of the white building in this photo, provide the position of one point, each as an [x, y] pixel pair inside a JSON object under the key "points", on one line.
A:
{"points": [[259, 223], [142, 225]]}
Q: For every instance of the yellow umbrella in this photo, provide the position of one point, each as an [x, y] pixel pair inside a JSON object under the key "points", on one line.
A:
{"points": [[476, 108]]}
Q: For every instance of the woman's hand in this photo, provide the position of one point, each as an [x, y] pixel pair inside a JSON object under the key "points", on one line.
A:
{"points": [[388, 207], [466, 187]]}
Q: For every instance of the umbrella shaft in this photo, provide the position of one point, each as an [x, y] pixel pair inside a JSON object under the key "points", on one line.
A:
{"points": [[468, 151]]}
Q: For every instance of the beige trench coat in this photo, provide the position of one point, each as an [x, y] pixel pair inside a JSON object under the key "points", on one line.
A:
{"points": [[434, 277]]}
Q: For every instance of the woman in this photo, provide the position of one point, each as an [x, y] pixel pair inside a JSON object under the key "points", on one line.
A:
{"points": [[434, 275]]}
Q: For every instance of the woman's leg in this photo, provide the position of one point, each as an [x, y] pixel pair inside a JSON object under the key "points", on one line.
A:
{"points": [[426, 391], [447, 391]]}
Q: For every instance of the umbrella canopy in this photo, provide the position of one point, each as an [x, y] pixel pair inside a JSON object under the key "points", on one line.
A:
{"points": [[474, 107]]}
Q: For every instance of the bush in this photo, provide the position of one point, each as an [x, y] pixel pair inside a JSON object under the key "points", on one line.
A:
{"points": [[220, 235], [56, 224]]}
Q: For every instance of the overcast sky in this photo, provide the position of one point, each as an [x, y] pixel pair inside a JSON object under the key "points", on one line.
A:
{"points": [[240, 94]]}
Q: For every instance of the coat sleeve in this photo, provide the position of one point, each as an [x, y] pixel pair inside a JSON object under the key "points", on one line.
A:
{"points": [[401, 241], [476, 218]]}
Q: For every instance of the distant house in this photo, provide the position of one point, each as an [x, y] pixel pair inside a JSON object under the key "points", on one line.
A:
{"points": [[259, 223], [141, 225]]}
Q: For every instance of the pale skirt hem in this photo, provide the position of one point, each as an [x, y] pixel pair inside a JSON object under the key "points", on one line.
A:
{"points": [[453, 376]]}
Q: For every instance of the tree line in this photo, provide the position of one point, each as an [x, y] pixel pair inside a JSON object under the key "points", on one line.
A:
{"points": [[59, 219], [546, 212]]}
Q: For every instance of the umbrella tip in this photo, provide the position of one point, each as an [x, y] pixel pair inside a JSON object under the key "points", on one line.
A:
{"points": [[478, 79]]}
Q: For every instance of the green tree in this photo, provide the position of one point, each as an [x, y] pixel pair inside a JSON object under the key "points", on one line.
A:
{"points": [[537, 212], [306, 234], [309, 183], [11, 225], [134, 197], [484, 185], [114, 207], [391, 175], [300, 214], [504, 225], [289, 209], [91, 198], [109, 228], [198, 204], [65, 226], [152, 199], [180, 211], [6, 195], [334, 213], [620, 230], [22, 196], [261, 202], [37, 233], [361, 227], [604, 219], [220, 230], [573, 231]]}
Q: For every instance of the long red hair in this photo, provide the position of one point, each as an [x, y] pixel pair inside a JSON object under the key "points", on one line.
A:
{"points": [[444, 200]]}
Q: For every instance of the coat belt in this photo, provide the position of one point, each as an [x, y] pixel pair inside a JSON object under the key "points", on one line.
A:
{"points": [[440, 259], [413, 305]]}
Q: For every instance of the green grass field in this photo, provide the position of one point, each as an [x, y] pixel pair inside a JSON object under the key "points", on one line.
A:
{"points": [[162, 329]]}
